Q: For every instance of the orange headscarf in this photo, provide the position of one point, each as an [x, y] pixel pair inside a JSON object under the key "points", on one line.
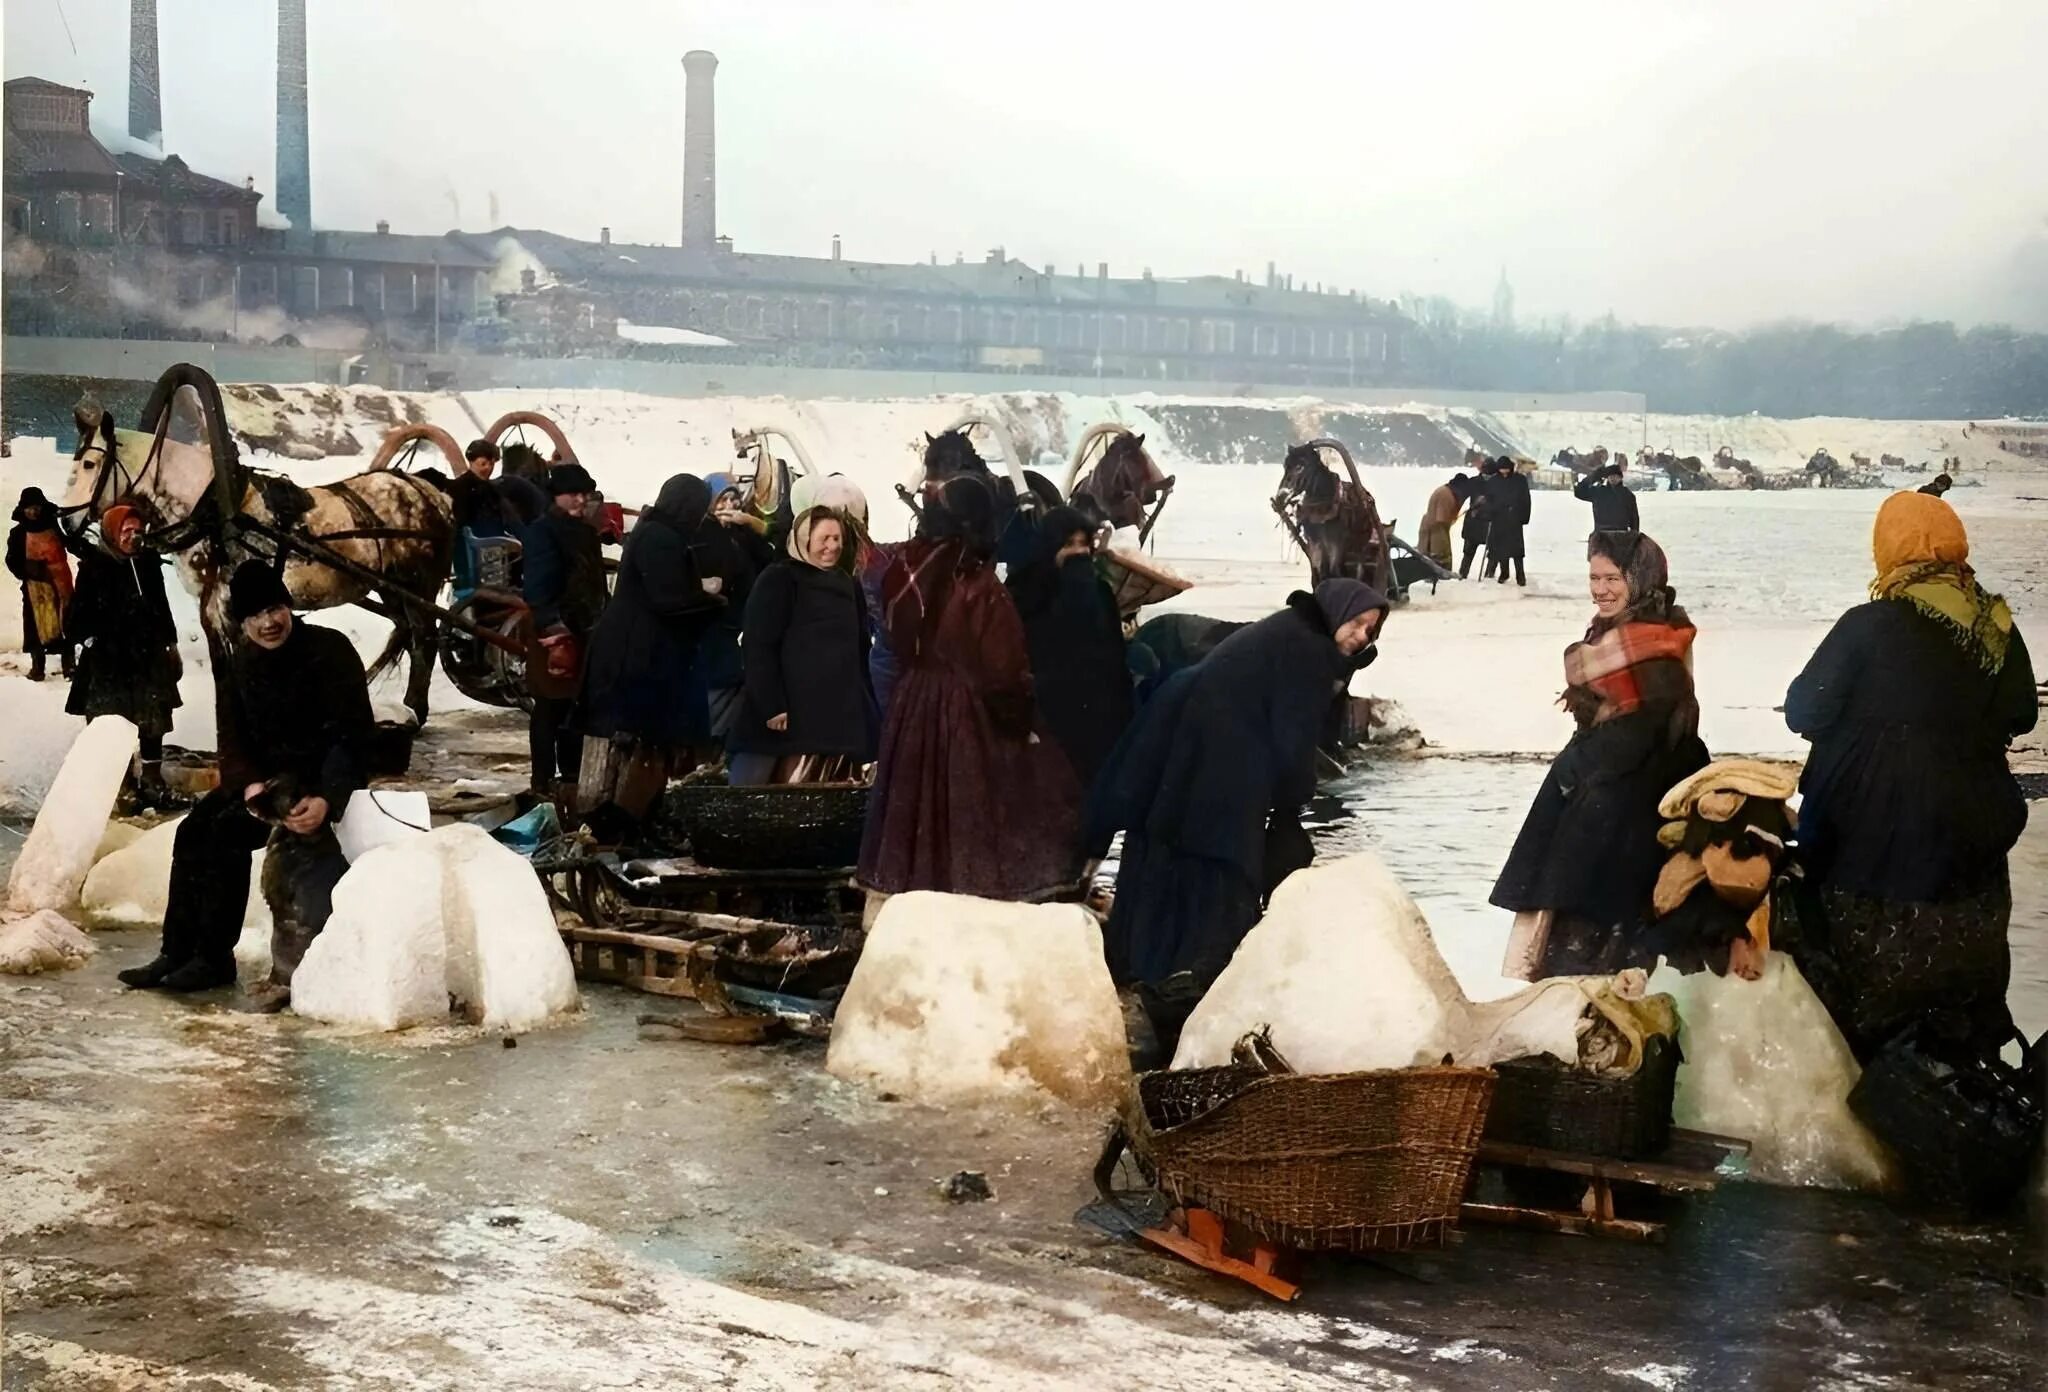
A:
{"points": [[1917, 529]]}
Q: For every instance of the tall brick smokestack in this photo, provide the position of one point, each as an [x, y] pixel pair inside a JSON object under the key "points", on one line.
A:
{"points": [[700, 153], [294, 158], [145, 91]]}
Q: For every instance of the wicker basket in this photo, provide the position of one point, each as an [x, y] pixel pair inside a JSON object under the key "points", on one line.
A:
{"points": [[1348, 1162], [780, 826], [1544, 1102]]}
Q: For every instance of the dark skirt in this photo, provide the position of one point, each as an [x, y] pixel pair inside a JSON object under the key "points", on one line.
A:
{"points": [[1176, 913], [1879, 964]]}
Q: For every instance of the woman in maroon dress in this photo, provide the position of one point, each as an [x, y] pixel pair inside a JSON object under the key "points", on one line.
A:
{"points": [[968, 798]]}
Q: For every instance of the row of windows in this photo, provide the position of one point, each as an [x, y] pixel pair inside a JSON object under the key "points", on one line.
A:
{"points": [[855, 319], [73, 217]]}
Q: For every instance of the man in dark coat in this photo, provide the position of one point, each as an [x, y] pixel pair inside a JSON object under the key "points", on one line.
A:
{"points": [[1478, 518], [1508, 513], [1614, 505], [1208, 783], [128, 663], [1079, 675], [295, 726], [35, 557], [564, 584], [646, 684]]}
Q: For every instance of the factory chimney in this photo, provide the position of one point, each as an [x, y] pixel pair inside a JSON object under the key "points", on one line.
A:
{"points": [[700, 153], [145, 99], [294, 160]]}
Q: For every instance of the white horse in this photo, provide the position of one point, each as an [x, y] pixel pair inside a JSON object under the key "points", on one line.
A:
{"points": [[184, 476]]}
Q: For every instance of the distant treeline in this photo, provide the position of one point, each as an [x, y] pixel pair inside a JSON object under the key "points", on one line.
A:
{"points": [[1922, 371]]}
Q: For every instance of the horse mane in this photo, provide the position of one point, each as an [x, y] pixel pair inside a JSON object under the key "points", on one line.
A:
{"points": [[951, 452]]}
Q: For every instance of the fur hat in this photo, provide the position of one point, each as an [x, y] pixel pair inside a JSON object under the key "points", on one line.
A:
{"points": [[254, 588], [569, 478]]}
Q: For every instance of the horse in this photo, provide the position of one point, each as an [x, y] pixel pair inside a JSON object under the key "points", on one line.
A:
{"points": [[1123, 484], [184, 476], [1579, 464], [1336, 522]]}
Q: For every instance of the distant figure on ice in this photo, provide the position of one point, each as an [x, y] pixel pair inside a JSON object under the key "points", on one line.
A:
{"points": [[1434, 539], [1079, 674], [1208, 787], [1938, 486], [1580, 876], [36, 557], [128, 663], [1614, 505], [645, 690], [1478, 518], [969, 798], [1910, 807], [807, 712], [1507, 514], [564, 584], [295, 726]]}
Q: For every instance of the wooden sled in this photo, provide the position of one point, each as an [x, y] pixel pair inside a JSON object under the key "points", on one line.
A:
{"points": [[1201, 1236], [1691, 1164]]}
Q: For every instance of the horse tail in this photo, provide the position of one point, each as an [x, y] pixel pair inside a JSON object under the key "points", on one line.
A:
{"points": [[396, 646]]}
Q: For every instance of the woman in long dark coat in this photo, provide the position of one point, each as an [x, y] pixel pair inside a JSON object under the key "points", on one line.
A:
{"points": [[128, 663], [969, 798], [1909, 807], [1478, 519], [644, 688], [806, 714], [1580, 876], [1208, 784], [1079, 674]]}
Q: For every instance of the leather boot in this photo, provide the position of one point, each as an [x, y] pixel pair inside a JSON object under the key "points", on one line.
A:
{"points": [[201, 974], [148, 976]]}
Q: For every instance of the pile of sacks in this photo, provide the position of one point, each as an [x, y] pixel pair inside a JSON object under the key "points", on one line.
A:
{"points": [[1726, 828]]}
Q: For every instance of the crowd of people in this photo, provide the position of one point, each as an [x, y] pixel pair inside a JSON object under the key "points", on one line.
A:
{"points": [[1015, 735]]}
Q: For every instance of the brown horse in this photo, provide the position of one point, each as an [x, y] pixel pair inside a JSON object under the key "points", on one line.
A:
{"points": [[184, 475], [1335, 521], [1122, 485]]}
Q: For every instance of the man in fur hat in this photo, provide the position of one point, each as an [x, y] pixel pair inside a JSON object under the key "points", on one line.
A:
{"points": [[293, 707]]}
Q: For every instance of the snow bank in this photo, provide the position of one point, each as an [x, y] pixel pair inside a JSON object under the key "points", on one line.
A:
{"points": [[117, 836], [448, 914], [73, 818], [42, 941], [1344, 970], [129, 886], [1764, 1061], [963, 1000]]}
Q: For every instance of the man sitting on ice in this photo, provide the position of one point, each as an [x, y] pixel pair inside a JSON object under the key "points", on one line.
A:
{"points": [[295, 725]]}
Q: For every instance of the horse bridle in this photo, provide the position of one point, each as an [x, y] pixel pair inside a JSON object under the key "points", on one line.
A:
{"points": [[174, 536]]}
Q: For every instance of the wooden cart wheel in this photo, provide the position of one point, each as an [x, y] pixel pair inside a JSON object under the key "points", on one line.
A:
{"points": [[404, 436]]}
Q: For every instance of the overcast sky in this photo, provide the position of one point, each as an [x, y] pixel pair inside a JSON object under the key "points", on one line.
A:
{"points": [[1673, 161]]}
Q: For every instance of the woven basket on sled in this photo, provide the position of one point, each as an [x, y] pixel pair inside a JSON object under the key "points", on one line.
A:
{"points": [[1351, 1162], [778, 826], [1545, 1103]]}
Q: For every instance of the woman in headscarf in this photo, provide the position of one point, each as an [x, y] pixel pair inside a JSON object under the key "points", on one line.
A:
{"points": [[968, 798], [1079, 674], [1208, 784], [1909, 807], [806, 713], [36, 557], [645, 690], [871, 563], [1580, 876]]}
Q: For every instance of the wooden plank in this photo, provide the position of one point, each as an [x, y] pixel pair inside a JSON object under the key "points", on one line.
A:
{"points": [[1549, 1220], [614, 937], [1655, 1172], [1202, 1244]]}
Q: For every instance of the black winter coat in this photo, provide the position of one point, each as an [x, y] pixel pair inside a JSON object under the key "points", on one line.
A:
{"points": [[806, 656], [302, 710], [563, 573], [1225, 750], [644, 678], [1614, 506], [1507, 507], [1478, 511], [1907, 795], [1079, 675], [128, 659], [1588, 847], [738, 556]]}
